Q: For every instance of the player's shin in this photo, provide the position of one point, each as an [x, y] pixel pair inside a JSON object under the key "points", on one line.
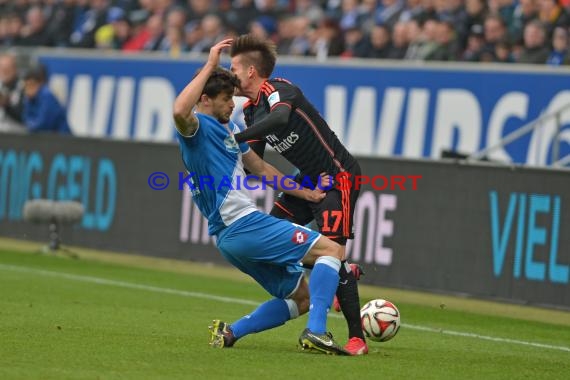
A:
{"points": [[322, 285], [268, 315], [349, 300]]}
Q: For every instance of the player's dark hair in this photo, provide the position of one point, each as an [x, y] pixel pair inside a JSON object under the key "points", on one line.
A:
{"points": [[257, 52], [220, 81]]}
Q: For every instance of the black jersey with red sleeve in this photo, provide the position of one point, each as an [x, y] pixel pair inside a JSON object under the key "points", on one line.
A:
{"points": [[306, 140]]}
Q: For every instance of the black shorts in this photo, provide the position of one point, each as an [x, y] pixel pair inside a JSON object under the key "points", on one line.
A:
{"points": [[333, 215]]}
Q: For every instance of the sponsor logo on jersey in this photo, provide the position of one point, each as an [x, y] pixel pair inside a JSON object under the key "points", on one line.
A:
{"points": [[299, 237], [281, 145]]}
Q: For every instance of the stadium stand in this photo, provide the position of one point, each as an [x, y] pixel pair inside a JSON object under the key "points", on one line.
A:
{"points": [[508, 31]]}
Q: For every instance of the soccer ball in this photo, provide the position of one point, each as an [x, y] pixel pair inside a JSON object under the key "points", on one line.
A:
{"points": [[380, 320]]}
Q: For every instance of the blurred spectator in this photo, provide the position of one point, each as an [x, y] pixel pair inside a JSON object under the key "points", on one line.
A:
{"points": [[416, 29], [147, 6], [42, 111], [138, 31], [356, 44], [11, 95], [176, 17], [525, 11], [425, 43], [174, 42], [192, 34], [534, 50], [475, 44], [163, 7], [516, 49], [420, 10], [399, 41], [264, 27], [240, 16], [301, 44], [286, 32], [333, 9], [495, 31], [446, 43], [122, 33], [60, 22], [453, 12], [367, 12], [552, 15], [155, 33], [13, 33], [503, 53], [198, 9], [416, 40], [212, 29], [380, 45], [3, 29], [310, 9], [390, 12], [271, 8], [328, 41], [141, 14], [294, 36], [412, 9], [116, 32], [34, 31], [559, 53], [19, 7], [349, 17], [89, 16], [476, 11], [504, 9]]}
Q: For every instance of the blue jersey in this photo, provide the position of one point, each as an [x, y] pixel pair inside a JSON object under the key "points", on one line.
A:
{"points": [[44, 113], [214, 161]]}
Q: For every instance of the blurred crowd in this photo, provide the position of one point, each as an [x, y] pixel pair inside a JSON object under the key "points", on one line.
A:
{"points": [[526, 31], [27, 105]]}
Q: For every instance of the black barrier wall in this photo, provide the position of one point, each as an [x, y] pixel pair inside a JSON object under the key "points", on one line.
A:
{"points": [[486, 231]]}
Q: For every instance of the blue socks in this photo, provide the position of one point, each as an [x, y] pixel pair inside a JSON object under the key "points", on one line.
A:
{"points": [[322, 287], [268, 315]]}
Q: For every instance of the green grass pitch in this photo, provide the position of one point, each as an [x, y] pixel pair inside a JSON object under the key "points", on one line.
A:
{"points": [[108, 316]]}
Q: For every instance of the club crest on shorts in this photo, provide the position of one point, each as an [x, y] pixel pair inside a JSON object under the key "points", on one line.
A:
{"points": [[299, 237]]}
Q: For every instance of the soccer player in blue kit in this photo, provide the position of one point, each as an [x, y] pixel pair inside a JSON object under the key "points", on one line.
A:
{"points": [[267, 248]]}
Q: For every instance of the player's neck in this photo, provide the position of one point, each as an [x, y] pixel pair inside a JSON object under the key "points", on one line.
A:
{"points": [[256, 88], [200, 108]]}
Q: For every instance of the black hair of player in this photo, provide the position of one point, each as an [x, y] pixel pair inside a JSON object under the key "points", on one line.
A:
{"points": [[220, 81], [257, 52]]}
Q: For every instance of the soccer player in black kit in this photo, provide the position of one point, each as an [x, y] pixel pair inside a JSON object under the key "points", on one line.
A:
{"points": [[278, 113]]}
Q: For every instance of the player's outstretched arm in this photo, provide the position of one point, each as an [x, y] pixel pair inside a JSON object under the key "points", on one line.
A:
{"points": [[277, 119], [263, 169], [184, 118]]}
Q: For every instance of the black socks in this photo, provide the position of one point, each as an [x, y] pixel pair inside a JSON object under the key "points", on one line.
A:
{"points": [[349, 300]]}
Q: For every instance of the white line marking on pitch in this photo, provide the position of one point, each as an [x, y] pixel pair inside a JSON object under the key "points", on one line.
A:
{"points": [[184, 293]]}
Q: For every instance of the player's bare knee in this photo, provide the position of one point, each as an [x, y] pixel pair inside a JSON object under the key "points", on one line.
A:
{"points": [[334, 249], [303, 305], [323, 247], [342, 252], [301, 298]]}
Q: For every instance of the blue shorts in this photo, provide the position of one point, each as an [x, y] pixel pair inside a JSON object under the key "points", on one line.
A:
{"points": [[269, 250]]}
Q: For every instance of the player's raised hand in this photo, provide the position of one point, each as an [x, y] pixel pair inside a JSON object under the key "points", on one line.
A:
{"points": [[216, 51]]}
